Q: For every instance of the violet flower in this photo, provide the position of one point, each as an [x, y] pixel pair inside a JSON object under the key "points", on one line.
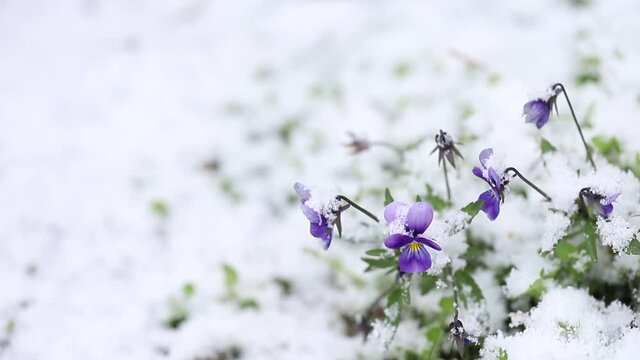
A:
{"points": [[321, 220], [494, 196], [539, 110], [459, 334], [602, 205], [407, 223]]}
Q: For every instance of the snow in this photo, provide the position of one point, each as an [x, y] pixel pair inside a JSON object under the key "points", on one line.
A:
{"points": [[147, 143]]}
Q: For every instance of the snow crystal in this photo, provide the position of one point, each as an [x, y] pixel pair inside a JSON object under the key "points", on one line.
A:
{"points": [[398, 225], [568, 324], [615, 232], [383, 330], [555, 227]]}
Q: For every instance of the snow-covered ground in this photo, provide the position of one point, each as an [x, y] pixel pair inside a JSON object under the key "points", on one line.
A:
{"points": [[148, 152]]}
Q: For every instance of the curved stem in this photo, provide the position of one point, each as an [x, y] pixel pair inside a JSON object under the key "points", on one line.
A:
{"points": [[395, 148], [575, 119], [358, 207], [528, 182]]}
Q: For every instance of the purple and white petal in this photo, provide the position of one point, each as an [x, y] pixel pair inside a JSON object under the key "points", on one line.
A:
{"points": [[313, 216], [303, 192], [494, 178], [491, 205], [396, 241], [485, 155], [604, 210], [391, 211], [419, 217], [478, 172], [414, 258], [537, 111], [430, 243]]}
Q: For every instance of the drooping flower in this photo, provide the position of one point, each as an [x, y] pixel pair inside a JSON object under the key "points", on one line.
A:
{"points": [[493, 197], [321, 216], [602, 205], [539, 109], [446, 148], [358, 144], [406, 225], [459, 334]]}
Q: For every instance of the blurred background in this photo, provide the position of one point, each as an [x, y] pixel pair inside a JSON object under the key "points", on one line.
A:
{"points": [[148, 151]]}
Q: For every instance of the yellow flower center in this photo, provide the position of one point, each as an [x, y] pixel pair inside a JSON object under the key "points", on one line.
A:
{"points": [[414, 246]]}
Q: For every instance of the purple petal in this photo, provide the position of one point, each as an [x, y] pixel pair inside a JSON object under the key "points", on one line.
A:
{"points": [[414, 258], [484, 155], [491, 205], [395, 241], [611, 198], [495, 182], [478, 172], [322, 232], [311, 214], [537, 111], [430, 243], [391, 210], [303, 191], [419, 217], [605, 210]]}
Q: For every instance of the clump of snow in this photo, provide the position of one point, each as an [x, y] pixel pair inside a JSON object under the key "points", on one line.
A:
{"points": [[568, 324], [615, 232], [475, 319], [383, 330], [555, 227], [455, 222], [398, 225], [325, 203], [542, 94], [563, 185]]}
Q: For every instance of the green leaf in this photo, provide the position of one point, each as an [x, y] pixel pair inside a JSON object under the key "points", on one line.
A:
{"points": [[248, 303], [160, 208], [633, 248], [473, 208], [376, 252], [564, 250], [436, 201], [380, 263], [434, 333], [427, 283], [591, 240], [446, 305], [610, 148], [418, 198], [399, 295], [188, 290], [230, 276], [388, 199], [502, 354], [537, 289], [546, 146], [463, 277]]}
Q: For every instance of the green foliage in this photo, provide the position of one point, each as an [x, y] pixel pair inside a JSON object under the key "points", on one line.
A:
{"points": [[502, 354], [565, 251], [231, 282], [160, 208], [464, 279], [610, 148], [426, 283], [546, 146], [634, 247], [388, 199], [473, 208], [402, 69], [537, 289], [591, 240], [589, 71], [179, 307], [435, 200]]}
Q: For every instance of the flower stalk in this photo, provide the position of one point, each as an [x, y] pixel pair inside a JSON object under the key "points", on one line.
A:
{"points": [[526, 181], [561, 88], [357, 207]]}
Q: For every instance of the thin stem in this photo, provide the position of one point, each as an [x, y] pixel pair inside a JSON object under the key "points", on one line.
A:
{"points": [[358, 207], [528, 182], [395, 148], [575, 119], [446, 180]]}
